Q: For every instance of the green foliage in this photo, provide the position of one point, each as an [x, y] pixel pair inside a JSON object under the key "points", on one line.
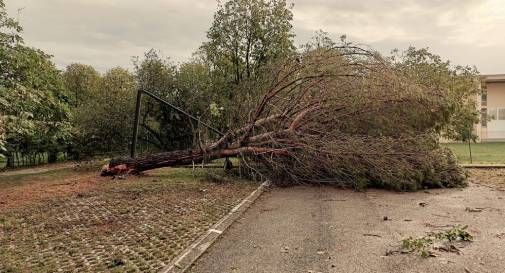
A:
{"points": [[457, 233], [201, 93], [420, 245], [10, 28], [423, 245], [460, 83], [163, 127], [104, 121], [82, 83], [247, 34], [33, 103]]}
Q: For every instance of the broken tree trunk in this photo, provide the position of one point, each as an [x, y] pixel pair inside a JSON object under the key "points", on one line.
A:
{"points": [[179, 158]]}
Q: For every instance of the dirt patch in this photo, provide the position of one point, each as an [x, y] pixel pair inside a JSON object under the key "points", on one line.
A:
{"points": [[36, 169], [36, 189], [494, 178]]}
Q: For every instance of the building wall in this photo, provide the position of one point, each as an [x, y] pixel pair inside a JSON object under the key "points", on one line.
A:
{"points": [[496, 110], [479, 130], [493, 130]]}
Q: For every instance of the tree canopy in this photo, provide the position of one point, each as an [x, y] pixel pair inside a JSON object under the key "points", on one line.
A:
{"points": [[33, 102], [461, 85], [103, 122], [247, 34]]}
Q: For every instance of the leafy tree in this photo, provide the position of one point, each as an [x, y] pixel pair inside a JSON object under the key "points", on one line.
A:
{"points": [[105, 120], [185, 86], [460, 84], [197, 94], [163, 128], [82, 82], [11, 29], [246, 35], [33, 102], [195, 86]]}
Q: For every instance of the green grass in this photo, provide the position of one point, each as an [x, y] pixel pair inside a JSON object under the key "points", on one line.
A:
{"points": [[180, 175], [493, 152]]}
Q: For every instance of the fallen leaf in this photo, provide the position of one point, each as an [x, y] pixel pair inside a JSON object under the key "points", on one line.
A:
{"points": [[473, 209], [371, 235], [285, 249]]}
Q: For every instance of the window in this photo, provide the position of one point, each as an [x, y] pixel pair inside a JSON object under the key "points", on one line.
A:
{"points": [[483, 118], [483, 100], [491, 113], [501, 114]]}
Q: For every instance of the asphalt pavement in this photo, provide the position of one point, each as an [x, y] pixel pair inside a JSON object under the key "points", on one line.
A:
{"points": [[323, 229]]}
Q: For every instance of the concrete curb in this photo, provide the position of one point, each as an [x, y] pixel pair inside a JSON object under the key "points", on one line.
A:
{"points": [[182, 262], [483, 166]]}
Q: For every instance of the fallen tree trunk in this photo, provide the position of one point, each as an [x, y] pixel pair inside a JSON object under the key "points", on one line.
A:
{"points": [[178, 158]]}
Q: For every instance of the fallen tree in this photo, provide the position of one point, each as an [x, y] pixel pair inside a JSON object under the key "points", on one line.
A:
{"points": [[341, 115]]}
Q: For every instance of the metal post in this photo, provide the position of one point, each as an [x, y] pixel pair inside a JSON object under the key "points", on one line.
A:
{"points": [[136, 124], [470, 145]]}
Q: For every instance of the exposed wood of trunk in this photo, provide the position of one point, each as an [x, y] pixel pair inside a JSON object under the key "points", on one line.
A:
{"points": [[178, 158]]}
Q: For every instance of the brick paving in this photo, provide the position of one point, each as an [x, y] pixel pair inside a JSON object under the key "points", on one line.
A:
{"points": [[133, 225]]}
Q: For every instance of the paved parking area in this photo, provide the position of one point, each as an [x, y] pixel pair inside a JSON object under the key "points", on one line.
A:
{"points": [[329, 230], [66, 221]]}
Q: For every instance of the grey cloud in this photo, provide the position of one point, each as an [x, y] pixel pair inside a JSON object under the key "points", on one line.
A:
{"points": [[106, 33]]}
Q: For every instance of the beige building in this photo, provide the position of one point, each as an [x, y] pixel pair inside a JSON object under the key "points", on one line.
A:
{"points": [[492, 105]]}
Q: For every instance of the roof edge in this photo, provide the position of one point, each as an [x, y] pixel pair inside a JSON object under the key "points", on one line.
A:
{"points": [[493, 78]]}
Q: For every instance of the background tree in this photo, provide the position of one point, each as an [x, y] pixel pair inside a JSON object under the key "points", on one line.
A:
{"points": [[82, 82], [187, 86], [33, 101], [11, 29], [105, 121], [162, 127], [461, 85], [83, 85], [245, 36]]}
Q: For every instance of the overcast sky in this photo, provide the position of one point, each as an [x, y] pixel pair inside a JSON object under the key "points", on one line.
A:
{"points": [[107, 33]]}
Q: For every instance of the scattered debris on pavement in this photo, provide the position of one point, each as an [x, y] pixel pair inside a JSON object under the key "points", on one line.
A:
{"points": [[474, 209], [445, 241]]}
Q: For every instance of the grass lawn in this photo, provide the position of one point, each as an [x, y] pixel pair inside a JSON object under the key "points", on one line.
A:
{"points": [[493, 152], [76, 221]]}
